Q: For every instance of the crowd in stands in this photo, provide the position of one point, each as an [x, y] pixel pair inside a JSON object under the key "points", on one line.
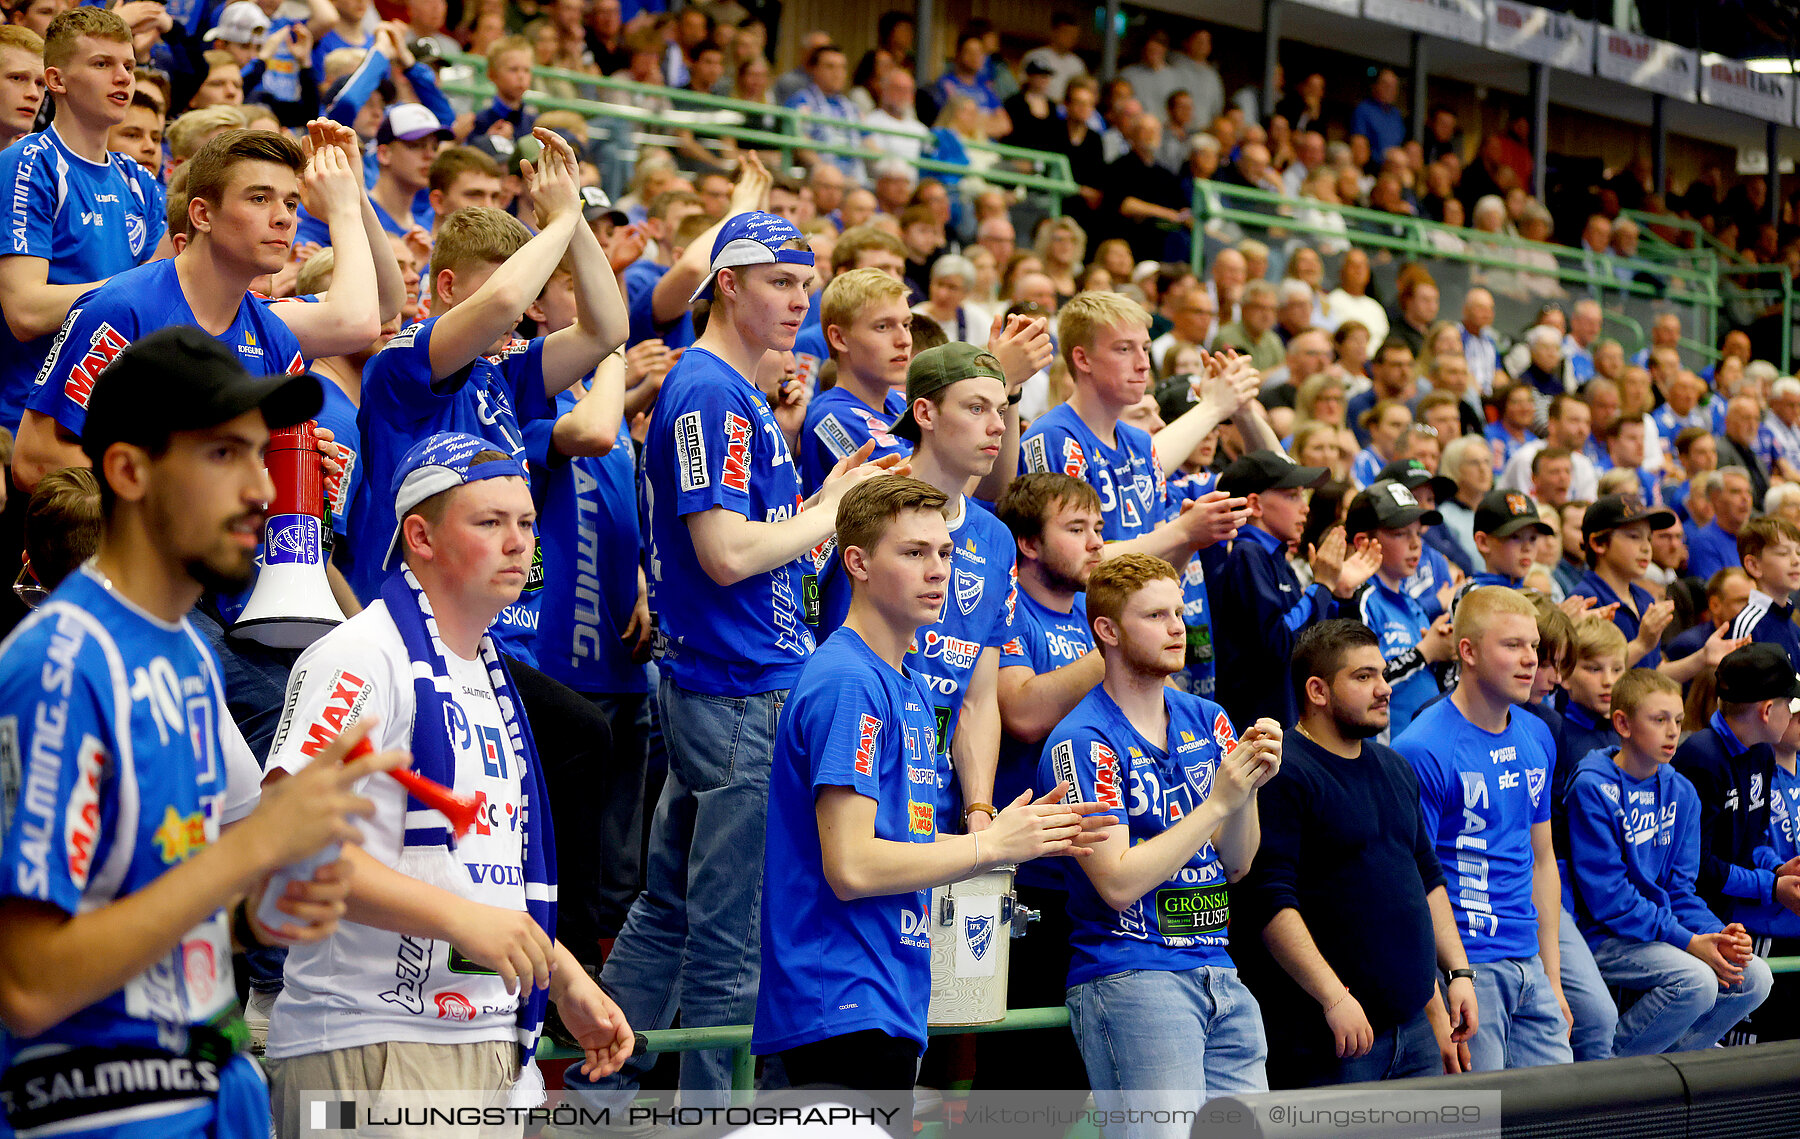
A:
{"points": [[1423, 684]]}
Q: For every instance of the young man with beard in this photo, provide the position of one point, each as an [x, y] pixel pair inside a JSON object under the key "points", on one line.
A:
{"points": [[1484, 783], [242, 190], [1047, 665], [1154, 1000], [120, 895], [1345, 920], [77, 213], [856, 838], [474, 920], [955, 418], [729, 531]]}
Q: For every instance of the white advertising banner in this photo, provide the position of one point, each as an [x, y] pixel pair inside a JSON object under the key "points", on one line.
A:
{"points": [[1451, 19], [1540, 35], [1729, 84], [1649, 64]]}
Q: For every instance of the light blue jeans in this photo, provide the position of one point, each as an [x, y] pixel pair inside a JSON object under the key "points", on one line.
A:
{"points": [[693, 938], [1160, 1041], [1521, 1025], [1590, 1001], [1683, 1006]]}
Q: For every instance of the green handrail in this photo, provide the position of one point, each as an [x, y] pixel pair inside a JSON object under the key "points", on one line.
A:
{"points": [[1056, 179], [1705, 243], [1412, 235]]}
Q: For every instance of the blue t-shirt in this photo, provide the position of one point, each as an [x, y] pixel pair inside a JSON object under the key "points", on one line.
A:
{"points": [[115, 774], [1594, 586], [810, 350], [588, 532], [830, 967], [339, 415], [1042, 640], [402, 404], [1199, 674], [134, 304], [1400, 621], [983, 585], [88, 220], [837, 423], [714, 443], [1134, 495], [639, 280], [1180, 924], [1482, 793]]}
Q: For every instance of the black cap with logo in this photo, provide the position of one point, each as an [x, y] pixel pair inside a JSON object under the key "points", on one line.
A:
{"points": [[1415, 475], [1760, 671], [1611, 511], [1268, 470], [1503, 513], [1386, 505]]}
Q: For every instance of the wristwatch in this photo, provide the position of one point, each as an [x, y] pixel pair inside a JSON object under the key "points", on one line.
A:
{"points": [[985, 808], [1469, 973]]}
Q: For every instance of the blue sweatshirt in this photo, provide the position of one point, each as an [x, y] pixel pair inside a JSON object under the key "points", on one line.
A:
{"points": [[1774, 919], [1634, 849], [1733, 782]]}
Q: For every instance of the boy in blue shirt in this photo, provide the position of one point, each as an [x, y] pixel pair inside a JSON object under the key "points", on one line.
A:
{"points": [[463, 370], [1769, 548], [1259, 607], [1154, 999], [866, 323], [119, 889], [1484, 773], [955, 417], [76, 214], [854, 817], [1615, 536], [1387, 517], [729, 532], [1634, 847]]}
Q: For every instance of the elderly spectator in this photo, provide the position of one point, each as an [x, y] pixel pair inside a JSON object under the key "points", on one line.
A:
{"points": [[829, 71], [1202, 161], [1192, 314], [1584, 327], [1712, 546], [997, 236], [900, 132], [1737, 446], [952, 279], [1308, 355], [1321, 398], [894, 184], [1225, 284], [1293, 309], [1351, 299], [1548, 372], [1665, 332], [1779, 442], [1481, 347], [1469, 460], [1309, 155], [1145, 196], [1536, 224], [1253, 333], [1252, 171]]}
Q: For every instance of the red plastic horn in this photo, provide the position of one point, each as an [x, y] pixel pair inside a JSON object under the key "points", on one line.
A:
{"points": [[458, 809]]}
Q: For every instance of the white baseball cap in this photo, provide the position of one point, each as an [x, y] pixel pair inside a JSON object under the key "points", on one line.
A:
{"points": [[242, 22]]}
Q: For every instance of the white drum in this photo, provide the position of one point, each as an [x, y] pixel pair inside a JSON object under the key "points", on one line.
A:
{"points": [[971, 930]]}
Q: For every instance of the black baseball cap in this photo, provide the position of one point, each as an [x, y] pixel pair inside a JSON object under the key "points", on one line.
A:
{"points": [[935, 369], [1415, 475], [1386, 505], [1611, 511], [181, 379], [1759, 671], [1268, 470], [1503, 513]]}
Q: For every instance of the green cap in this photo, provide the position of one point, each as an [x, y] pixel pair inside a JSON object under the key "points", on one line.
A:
{"points": [[935, 369]]}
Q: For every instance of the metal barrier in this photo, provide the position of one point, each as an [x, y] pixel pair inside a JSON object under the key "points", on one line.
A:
{"points": [[743, 1065], [1520, 274], [1045, 173]]}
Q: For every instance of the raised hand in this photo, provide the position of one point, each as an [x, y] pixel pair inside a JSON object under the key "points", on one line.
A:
{"points": [[329, 188], [752, 190], [1023, 347], [1213, 517], [554, 180], [1046, 826]]}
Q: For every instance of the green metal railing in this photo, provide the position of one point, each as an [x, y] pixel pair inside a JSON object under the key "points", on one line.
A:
{"points": [[1703, 244], [1047, 173], [743, 1065]]}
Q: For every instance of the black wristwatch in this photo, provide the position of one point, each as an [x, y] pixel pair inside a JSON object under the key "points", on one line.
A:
{"points": [[1469, 973]]}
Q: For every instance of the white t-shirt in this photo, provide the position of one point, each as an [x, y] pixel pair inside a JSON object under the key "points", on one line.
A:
{"points": [[364, 985]]}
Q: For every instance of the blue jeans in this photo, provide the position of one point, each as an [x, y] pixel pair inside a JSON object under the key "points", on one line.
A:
{"points": [[693, 938], [1521, 1026], [1683, 1006], [1590, 1001], [1400, 1053], [1171, 1040]]}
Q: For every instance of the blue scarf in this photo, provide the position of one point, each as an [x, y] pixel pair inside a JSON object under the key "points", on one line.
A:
{"points": [[434, 757]]}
